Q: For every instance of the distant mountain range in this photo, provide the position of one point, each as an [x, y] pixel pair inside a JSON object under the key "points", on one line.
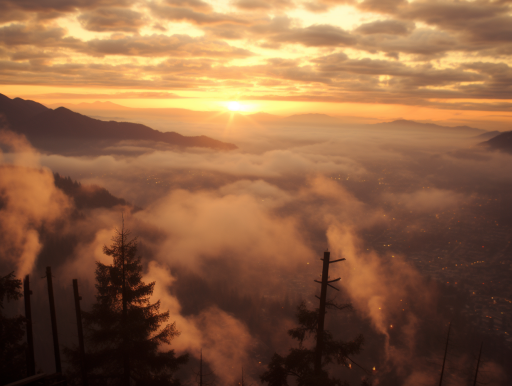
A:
{"points": [[64, 131], [403, 124], [501, 142], [87, 197], [307, 119]]}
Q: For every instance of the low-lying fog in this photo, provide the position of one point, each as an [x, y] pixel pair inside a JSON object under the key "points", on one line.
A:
{"points": [[229, 235]]}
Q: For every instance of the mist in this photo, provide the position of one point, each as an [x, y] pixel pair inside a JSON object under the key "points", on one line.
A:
{"points": [[233, 240]]}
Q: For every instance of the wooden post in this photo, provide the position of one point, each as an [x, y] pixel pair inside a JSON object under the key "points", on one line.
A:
{"points": [[321, 314], [80, 332], [56, 351], [201, 369], [31, 363], [478, 363], [124, 316], [445, 351]]}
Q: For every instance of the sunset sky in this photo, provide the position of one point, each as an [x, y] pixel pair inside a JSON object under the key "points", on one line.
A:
{"points": [[430, 60]]}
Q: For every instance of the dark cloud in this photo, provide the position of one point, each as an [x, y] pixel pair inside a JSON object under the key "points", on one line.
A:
{"points": [[251, 5], [257, 28], [481, 25], [36, 35], [499, 84], [191, 16], [19, 10], [315, 7], [390, 27], [117, 76], [13, 15], [478, 21], [60, 5], [385, 6], [163, 45], [31, 54], [406, 76], [452, 14], [21, 34], [194, 4], [226, 31], [425, 43], [159, 27], [112, 19], [320, 6], [316, 36]]}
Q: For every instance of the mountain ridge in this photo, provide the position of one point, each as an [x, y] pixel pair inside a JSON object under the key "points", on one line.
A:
{"points": [[502, 142], [50, 129]]}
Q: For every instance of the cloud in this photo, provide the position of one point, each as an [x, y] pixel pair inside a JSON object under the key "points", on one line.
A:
{"points": [[112, 19], [194, 17], [19, 10], [425, 43], [223, 340], [194, 4], [438, 51], [252, 5], [384, 6], [63, 6], [274, 209], [404, 76], [28, 200], [427, 200], [162, 45], [316, 36], [320, 6], [390, 27], [232, 225], [382, 289], [35, 35]]}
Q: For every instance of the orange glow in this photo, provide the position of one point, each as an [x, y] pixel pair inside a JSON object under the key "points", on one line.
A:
{"points": [[200, 101]]}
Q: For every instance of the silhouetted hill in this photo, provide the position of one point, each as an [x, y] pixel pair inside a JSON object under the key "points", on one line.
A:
{"points": [[501, 142], [264, 117], [403, 124], [488, 135], [89, 196], [63, 129], [91, 106], [311, 118]]}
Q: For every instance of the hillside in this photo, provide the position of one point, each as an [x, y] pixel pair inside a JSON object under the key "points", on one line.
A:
{"points": [[501, 142], [403, 124], [89, 196], [62, 130]]}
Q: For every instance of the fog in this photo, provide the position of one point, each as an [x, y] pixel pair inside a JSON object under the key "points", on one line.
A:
{"points": [[221, 232]]}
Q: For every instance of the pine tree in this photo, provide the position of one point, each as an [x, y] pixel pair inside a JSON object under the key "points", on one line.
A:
{"points": [[299, 363], [123, 328], [12, 331]]}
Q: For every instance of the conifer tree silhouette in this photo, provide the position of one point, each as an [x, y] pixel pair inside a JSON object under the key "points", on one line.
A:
{"points": [[123, 330], [299, 363], [307, 365], [12, 331]]}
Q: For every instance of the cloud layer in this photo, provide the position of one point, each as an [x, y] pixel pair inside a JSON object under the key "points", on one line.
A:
{"points": [[421, 52]]}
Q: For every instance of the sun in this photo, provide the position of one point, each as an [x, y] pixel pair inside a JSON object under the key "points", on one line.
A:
{"points": [[234, 106]]}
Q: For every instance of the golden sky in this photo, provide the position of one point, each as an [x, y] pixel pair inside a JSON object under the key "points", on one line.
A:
{"points": [[433, 59]]}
